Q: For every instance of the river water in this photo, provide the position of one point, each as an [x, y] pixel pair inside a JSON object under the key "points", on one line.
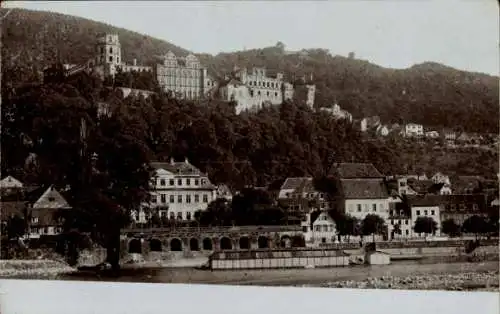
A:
{"points": [[288, 277]]}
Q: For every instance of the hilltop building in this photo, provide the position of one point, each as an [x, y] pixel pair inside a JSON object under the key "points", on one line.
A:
{"points": [[184, 77], [108, 60], [250, 90]]}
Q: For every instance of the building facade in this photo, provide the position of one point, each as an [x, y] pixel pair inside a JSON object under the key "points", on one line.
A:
{"points": [[414, 130], [184, 77], [179, 189]]}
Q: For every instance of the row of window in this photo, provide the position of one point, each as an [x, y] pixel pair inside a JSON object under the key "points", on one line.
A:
{"points": [[324, 228], [187, 198], [163, 215], [264, 84], [181, 82], [173, 69], [46, 230], [426, 212], [365, 208], [462, 206], [399, 222], [187, 181]]}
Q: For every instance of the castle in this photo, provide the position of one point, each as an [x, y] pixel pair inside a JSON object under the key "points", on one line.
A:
{"points": [[186, 78]]}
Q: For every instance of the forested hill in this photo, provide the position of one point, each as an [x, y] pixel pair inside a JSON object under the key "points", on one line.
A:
{"points": [[429, 93]]}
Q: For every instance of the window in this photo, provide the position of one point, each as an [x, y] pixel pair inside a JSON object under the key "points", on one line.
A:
{"points": [[188, 181], [304, 229], [406, 221], [418, 213], [117, 59], [276, 94], [205, 198], [323, 240], [258, 93], [359, 207], [51, 198], [172, 216], [317, 228], [172, 199], [267, 94], [392, 222], [179, 215], [153, 198], [188, 216], [196, 198], [34, 220], [203, 181], [475, 207], [179, 182], [163, 198], [432, 212], [407, 232], [162, 182], [110, 58], [171, 182], [374, 207], [179, 198], [425, 212], [188, 199]]}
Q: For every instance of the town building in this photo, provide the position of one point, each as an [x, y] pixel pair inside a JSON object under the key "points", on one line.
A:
{"points": [[362, 190], [432, 134], [320, 231], [413, 130], [184, 77], [44, 209], [299, 196], [179, 189], [425, 207]]}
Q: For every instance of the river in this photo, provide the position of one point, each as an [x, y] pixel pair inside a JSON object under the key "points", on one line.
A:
{"points": [[290, 277]]}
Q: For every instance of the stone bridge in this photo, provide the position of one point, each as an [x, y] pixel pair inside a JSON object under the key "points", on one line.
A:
{"points": [[191, 239]]}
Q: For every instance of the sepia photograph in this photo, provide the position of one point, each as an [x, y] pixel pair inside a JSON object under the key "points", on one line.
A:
{"points": [[337, 146]]}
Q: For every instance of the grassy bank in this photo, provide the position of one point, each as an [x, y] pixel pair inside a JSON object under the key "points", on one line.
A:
{"points": [[29, 269]]}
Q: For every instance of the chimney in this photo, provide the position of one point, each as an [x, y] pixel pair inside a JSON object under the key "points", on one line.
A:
{"points": [[171, 161], [135, 62]]}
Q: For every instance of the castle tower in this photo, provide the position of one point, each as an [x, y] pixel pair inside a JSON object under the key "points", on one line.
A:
{"points": [[109, 53], [311, 91]]}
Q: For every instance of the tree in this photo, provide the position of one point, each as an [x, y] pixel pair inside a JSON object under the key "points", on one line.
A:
{"points": [[397, 229], [425, 225], [16, 227], [373, 224], [346, 225], [450, 227], [475, 224]]}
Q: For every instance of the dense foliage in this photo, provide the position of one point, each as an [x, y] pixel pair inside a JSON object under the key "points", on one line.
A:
{"points": [[429, 93], [425, 225]]}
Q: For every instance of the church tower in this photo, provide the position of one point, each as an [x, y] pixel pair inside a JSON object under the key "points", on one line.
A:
{"points": [[109, 53]]}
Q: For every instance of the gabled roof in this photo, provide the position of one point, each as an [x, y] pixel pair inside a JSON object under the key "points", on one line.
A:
{"points": [[10, 182], [430, 200], [363, 189], [51, 198], [356, 170], [294, 183]]}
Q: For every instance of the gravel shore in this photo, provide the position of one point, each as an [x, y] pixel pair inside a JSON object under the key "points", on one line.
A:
{"points": [[486, 281], [43, 269]]}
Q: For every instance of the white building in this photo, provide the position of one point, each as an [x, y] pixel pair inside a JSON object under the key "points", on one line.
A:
{"points": [[322, 230], [414, 130], [179, 189], [424, 208], [338, 112], [441, 178]]}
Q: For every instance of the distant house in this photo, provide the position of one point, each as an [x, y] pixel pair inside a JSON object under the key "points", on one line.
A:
{"points": [[432, 134], [338, 112], [223, 191], [382, 130], [449, 136], [399, 218], [369, 123], [440, 178], [464, 138], [321, 230], [43, 209], [360, 197], [413, 130]]}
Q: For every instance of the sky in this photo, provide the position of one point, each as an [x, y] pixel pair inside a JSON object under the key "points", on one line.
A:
{"points": [[460, 33]]}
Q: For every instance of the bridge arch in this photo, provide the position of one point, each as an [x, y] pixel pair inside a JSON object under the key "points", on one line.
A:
{"points": [[298, 241], [207, 244], [194, 244], [176, 245], [155, 245], [244, 243], [286, 241], [263, 242], [226, 243], [135, 246]]}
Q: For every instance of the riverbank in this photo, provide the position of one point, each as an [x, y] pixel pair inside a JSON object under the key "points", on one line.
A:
{"points": [[30, 269], [471, 281]]}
